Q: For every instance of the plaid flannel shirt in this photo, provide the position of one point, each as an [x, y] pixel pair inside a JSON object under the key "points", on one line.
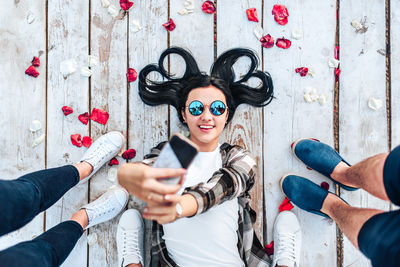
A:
{"points": [[234, 179]]}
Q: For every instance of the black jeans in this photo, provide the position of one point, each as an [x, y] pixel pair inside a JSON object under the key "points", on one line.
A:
{"points": [[21, 200]]}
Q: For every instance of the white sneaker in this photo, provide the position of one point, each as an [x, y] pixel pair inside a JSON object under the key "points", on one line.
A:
{"points": [[287, 240], [130, 238], [107, 206], [102, 151]]}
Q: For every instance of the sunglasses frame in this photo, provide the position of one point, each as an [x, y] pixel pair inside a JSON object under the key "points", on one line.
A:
{"points": [[205, 106]]}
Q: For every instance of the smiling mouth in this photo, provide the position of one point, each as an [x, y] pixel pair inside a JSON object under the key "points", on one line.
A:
{"points": [[208, 127]]}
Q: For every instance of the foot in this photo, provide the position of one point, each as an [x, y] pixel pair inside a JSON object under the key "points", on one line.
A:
{"points": [[130, 238], [287, 240], [102, 151], [107, 206], [304, 193], [320, 157]]}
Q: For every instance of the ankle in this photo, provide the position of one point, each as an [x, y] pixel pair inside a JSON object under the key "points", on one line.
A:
{"points": [[134, 265], [84, 169], [331, 203], [81, 217], [340, 171]]}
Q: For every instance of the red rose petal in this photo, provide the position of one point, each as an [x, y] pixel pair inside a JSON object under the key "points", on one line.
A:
{"points": [[315, 139], [302, 71], [129, 154], [267, 41], [87, 141], [99, 116], [125, 4], [36, 61], [170, 25], [113, 161], [269, 249], [208, 7], [252, 14], [325, 186], [131, 74], [308, 168], [31, 71], [76, 140], [283, 43], [337, 72], [67, 110], [337, 52], [285, 205], [280, 13], [84, 118]]}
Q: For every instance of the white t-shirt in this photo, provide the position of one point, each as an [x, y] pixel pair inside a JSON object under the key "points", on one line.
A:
{"points": [[210, 238]]}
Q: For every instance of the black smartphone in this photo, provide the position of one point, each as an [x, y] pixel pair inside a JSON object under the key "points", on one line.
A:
{"points": [[179, 152]]}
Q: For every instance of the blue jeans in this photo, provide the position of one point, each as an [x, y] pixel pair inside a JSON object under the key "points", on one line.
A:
{"points": [[21, 200]]}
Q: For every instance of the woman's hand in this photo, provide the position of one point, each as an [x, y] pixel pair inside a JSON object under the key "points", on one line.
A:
{"points": [[164, 213], [142, 181]]}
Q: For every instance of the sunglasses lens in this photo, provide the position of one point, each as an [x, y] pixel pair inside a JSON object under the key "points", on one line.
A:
{"points": [[196, 108], [217, 108]]}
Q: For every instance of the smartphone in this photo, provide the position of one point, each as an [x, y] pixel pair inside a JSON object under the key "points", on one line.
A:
{"points": [[178, 153]]}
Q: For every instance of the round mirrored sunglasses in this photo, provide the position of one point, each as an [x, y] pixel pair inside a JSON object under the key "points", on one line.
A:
{"points": [[217, 108]]}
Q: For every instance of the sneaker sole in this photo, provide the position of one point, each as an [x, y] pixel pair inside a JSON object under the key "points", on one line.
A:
{"points": [[282, 179]]}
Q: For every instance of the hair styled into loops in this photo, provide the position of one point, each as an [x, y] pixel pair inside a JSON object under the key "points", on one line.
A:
{"points": [[174, 91]]}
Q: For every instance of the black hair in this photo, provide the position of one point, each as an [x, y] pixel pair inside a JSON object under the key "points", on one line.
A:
{"points": [[174, 91]]}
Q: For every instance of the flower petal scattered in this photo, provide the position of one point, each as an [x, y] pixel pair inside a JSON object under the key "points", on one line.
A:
{"points": [[87, 141], [125, 4], [325, 186], [113, 11], [252, 14], [269, 249], [105, 3], [283, 43], [99, 115], [67, 110], [285, 205], [258, 31], [86, 72], [31, 71], [170, 25], [297, 34], [337, 52], [267, 41], [135, 26], [36, 61], [68, 67], [38, 140], [281, 14], [333, 63], [208, 7], [113, 161], [131, 74], [35, 126], [375, 103], [92, 60], [76, 140], [84, 118], [302, 71], [129, 154]]}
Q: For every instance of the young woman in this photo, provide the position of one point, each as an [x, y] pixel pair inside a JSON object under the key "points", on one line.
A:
{"points": [[210, 223]]}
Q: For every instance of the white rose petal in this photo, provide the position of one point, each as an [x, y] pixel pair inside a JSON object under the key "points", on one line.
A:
{"points": [[35, 126], [105, 3], [297, 34], [113, 11], [68, 67], [375, 103], [86, 72], [30, 18], [311, 72], [333, 63], [112, 174], [322, 100], [188, 5], [38, 140], [185, 11], [356, 25], [136, 26], [92, 239], [92, 61], [307, 98], [314, 97], [258, 31]]}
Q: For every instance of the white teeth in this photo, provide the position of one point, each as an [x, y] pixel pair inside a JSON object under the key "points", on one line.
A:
{"points": [[206, 127]]}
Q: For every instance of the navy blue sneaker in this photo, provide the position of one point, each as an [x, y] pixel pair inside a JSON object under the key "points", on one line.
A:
{"points": [[319, 157], [304, 194]]}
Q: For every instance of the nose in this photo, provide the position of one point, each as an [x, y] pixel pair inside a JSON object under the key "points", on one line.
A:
{"points": [[206, 115]]}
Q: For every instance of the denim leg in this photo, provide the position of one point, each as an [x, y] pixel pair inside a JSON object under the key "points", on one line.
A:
{"points": [[22, 199], [49, 249]]}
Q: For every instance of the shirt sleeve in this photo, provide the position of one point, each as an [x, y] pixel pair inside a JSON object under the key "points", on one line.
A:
{"points": [[234, 179]]}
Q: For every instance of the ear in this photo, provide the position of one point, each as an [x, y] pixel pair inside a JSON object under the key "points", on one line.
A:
{"points": [[183, 115]]}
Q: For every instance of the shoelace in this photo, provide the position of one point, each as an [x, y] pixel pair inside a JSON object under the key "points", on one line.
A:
{"points": [[286, 247], [131, 245], [101, 151], [103, 208]]}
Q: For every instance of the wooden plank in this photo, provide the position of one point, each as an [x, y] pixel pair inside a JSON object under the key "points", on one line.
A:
{"points": [[147, 125], [23, 99], [244, 129], [193, 32], [289, 117], [363, 132], [395, 75], [67, 39], [108, 92]]}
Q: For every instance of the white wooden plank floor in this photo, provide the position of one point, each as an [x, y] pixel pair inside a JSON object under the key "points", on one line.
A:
{"points": [[74, 29]]}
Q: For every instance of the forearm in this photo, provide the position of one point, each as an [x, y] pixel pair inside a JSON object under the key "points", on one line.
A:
{"points": [[189, 205]]}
